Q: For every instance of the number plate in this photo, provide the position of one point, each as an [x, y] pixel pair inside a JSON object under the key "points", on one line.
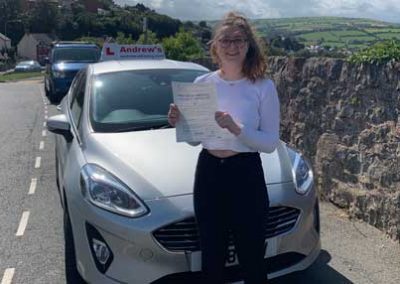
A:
{"points": [[195, 257]]}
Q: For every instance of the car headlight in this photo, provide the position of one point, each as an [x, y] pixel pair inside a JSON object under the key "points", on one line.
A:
{"points": [[302, 172], [104, 190], [58, 74]]}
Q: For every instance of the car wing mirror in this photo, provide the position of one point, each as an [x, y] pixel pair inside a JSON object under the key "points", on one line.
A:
{"points": [[59, 124]]}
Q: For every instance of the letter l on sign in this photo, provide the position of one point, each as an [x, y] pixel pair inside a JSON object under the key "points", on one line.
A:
{"points": [[109, 51]]}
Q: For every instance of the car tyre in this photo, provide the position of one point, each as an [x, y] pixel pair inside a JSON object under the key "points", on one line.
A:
{"points": [[72, 275], [53, 98]]}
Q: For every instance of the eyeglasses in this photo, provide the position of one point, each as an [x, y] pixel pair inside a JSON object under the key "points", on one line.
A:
{"points": [[238, 42]]}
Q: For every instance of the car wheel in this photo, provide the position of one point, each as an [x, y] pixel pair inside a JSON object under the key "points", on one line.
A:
{"points": [[72, 275], [52, 97]]}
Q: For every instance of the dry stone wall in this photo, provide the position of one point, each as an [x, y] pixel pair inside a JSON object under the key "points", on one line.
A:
{"points": [[345, 118]]}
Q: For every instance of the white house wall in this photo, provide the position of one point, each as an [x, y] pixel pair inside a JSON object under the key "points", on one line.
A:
{"points": [[27, 47]]}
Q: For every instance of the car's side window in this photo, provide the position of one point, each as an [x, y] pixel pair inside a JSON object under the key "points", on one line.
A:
{"points": [[77, 98]]}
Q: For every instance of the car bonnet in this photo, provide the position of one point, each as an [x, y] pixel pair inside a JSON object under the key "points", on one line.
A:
{"points": [[155, 166]]}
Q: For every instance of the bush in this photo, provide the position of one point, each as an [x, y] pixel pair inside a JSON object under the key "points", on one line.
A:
{"points": [[183, 46], [379, 53]]}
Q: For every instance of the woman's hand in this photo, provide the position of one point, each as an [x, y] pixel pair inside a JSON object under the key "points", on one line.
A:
{"points": [[225, 120], [173, 114]]}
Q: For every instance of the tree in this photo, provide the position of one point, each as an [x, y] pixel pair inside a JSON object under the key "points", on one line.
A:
{"points": [[121, 39], [381, 52], [43, 18], [151, 38], [11, 20], [183, 46]]}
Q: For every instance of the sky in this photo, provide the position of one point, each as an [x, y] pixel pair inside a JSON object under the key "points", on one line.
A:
{"points": [[195, 10]]}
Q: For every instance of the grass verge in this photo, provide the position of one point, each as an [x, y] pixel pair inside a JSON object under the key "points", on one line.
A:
{"points": [[19, 76]]}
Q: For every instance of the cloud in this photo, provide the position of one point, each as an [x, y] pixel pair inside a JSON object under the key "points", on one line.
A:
{"points": [[211, 9]]}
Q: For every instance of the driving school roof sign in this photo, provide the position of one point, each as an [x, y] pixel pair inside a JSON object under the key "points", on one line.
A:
{"points": [[112, 51]]}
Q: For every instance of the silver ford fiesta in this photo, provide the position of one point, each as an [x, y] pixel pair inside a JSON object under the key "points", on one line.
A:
{"points": [[126, 184]]}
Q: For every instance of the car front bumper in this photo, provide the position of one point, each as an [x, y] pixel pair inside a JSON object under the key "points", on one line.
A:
{"points": [[139, 258]]}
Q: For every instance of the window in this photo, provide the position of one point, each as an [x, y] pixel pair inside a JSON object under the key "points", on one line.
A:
{"points": [[77, 97]]}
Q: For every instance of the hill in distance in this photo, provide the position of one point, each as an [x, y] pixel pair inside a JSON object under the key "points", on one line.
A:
{"points": [[349, 33]]}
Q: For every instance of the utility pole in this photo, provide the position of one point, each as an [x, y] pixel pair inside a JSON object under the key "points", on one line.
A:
{"points": [[145, 29]]}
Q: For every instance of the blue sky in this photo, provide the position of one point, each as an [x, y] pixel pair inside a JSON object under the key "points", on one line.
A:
{"points": [[387, 10]]}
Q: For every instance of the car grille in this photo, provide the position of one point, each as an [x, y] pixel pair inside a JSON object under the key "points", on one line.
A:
{"points": [[184, 235]]}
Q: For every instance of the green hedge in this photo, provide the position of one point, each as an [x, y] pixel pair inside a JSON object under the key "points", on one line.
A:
{"points": [[381, 52]]}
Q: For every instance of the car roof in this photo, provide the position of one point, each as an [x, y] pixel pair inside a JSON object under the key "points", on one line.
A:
{"points": [[144, 64], [84, 45]]}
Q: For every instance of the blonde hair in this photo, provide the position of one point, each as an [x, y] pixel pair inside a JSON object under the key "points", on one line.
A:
{"points": [[254, 66]]}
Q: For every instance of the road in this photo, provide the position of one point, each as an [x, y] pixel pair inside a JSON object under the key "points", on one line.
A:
{"points": [[31, 234]]}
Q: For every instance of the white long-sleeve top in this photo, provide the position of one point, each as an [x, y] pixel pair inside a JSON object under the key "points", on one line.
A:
{"points": [[253, 106]]}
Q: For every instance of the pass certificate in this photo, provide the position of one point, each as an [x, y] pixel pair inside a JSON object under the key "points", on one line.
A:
{"points": [[197, 103]]}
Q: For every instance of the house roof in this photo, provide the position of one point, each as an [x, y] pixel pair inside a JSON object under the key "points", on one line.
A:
{"points": [[3, 37], [46, 38]]}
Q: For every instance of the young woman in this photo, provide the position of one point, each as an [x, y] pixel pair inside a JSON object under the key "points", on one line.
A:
{"points": [[230, 194]]}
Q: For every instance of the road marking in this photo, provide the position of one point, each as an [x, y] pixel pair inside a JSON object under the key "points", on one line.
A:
{"points": [[44, 124], [46, 117], [44, 133], [45, 111], [37, 162], [41, 145], [32, 188], [8, 276], [22, 224]]}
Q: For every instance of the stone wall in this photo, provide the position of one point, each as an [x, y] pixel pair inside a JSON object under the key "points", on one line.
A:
{"points": [[345, 118]]}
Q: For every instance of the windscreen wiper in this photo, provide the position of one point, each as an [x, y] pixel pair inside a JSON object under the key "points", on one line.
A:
{"points": [[144, 127]]}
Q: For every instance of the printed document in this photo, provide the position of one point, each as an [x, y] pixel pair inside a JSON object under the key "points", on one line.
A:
{"points": [[197, 103]]}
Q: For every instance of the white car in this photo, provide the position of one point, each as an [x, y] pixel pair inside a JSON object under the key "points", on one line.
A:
{"points": [[126, 184]]}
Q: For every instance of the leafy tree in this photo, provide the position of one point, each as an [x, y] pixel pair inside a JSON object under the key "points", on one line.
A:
{"points": [[183, 46], [379, 53], [203, 24], [151, 38], [121, 39], [11, 23], [43, 17]]}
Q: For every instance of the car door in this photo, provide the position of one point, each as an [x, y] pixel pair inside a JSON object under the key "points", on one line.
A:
{"points": [[68, 151]]}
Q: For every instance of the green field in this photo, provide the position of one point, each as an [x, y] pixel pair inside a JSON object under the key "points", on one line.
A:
{"points": [[337, 32]]}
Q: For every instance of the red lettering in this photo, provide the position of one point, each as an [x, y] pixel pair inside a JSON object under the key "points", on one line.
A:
{"points": [[109, 51]]}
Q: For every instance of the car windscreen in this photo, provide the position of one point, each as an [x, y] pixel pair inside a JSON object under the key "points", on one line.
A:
{"points": [[134, 100], [76, 54]]}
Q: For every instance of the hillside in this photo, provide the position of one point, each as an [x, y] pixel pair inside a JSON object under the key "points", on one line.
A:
{"points": [[336, 32], [330, 31]]}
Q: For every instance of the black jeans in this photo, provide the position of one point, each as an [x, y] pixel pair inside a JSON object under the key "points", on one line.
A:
{"points": [[230, 194]]}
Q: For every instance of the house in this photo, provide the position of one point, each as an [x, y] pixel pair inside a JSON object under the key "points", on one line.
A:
{"points": [[27, 5], [92, 5], [35, 46], [5, 42]]}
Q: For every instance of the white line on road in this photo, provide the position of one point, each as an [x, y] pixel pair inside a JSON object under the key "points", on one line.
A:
{"points": [[46, 117], [32, 188], [44, 133], [8, 276], [37, 162], [41, 145], [22, 224], [44, 124], [45, 111]]}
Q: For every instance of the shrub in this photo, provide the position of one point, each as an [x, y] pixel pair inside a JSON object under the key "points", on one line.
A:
{"points": [[381, 52]]}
